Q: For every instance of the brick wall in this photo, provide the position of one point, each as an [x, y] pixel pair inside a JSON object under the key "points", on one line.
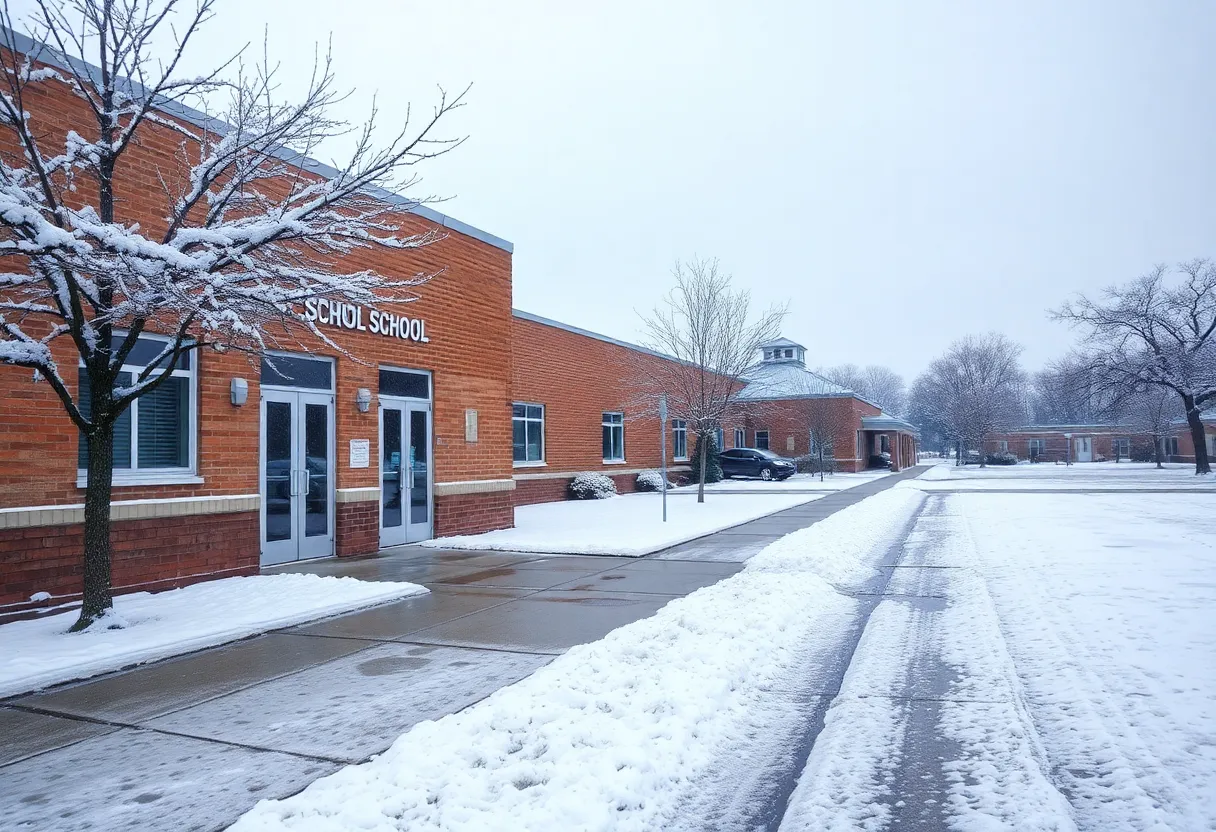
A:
{"points": [[788, 423], [467, 309], [358, 528], [148, 554], [578, 378], [1056, 444], [474, 513]]}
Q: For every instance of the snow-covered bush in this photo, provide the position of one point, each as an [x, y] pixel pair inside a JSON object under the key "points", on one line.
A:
{"points": [[592, 486], [1002, 459], [651, 480]]}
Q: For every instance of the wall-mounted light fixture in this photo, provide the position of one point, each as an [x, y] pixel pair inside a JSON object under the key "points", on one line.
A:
{"points": [[239, 392], [363, 399]]}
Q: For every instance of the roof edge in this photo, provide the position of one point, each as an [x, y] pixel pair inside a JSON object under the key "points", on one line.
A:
{"points": [[47, 54], [586, 333]]}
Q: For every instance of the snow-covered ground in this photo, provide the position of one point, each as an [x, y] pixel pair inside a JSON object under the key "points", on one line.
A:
{"points": [[1081, 476], [41, 652], [1042, 662], [630, 524], [1107, 605], [798, 482], [634, 731]]}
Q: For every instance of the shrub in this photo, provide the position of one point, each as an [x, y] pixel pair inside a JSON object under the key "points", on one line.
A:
{"points": [[651, 481], [592, 486], [809, 464], [713, 465], [1002, 459]]}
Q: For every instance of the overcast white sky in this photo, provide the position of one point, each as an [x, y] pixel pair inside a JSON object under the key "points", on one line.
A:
{"points": [[901, 173]]}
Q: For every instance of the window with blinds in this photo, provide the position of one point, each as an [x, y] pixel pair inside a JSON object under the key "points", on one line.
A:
{"points": [[153, 435]]}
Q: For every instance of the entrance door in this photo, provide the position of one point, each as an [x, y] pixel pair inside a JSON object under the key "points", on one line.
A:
{"points": [[297, 476], [1084, 450], [405, 472]]}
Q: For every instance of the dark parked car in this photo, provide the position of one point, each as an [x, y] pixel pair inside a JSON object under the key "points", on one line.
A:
{"points": [[753, 462]]}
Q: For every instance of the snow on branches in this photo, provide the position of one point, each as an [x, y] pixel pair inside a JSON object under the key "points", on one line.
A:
{"points": [[251, 227]]}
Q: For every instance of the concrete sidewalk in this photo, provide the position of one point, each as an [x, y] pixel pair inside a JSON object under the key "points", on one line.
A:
{"points": [[193, 742]]}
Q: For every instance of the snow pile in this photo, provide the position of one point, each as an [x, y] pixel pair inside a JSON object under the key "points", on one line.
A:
{"points": [[631, 525], [144, 627], [840, 544], [618, 734], [592, 486]]}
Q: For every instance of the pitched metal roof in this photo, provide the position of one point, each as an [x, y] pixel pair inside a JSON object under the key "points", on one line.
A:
{"points": [[788, 380], [47, 54], [782, 342]]}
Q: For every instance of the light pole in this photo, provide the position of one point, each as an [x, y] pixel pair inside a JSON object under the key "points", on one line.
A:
{"points": [[663, 449]]}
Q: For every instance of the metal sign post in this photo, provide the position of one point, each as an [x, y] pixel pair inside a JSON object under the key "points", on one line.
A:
{"points": [[663, 449]]}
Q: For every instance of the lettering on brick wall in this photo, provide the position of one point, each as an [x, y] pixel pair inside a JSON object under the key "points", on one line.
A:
{"points": [[362, 319]]}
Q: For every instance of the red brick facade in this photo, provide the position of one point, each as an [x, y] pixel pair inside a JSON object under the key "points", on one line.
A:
{"points": [[479, 355], [148, 554]]}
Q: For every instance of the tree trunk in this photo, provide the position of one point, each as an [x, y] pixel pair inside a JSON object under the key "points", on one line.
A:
{"points": [[701, 479], [1158, 452], [1195, 421], [97, 596]]}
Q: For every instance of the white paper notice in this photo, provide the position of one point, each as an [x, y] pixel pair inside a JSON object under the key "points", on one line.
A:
{"points": [[360, 453]]}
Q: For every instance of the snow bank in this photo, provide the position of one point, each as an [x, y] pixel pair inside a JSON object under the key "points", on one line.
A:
{"points": [[621, 733], [41, 652], [630, 525]]}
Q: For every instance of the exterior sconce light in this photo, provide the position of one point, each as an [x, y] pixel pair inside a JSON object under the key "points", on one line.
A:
{"points": [[363, 399], [239, 392]]}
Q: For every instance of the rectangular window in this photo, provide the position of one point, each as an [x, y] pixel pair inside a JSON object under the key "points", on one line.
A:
{"points": [[614, 437], [679, 432], [527, 433], [154, 434], [740, 438], [1123, 448], [762, 440], [1171, 446], [1004, 446], [1035, 447], [719, 438]]}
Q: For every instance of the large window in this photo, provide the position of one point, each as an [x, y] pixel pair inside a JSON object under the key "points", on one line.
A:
{"points": [[614, 437], [1123, 447], [679, 432], [527, 433], [720, 438], [762, 440], [153, 438], [1035, 447], [740, 438]]}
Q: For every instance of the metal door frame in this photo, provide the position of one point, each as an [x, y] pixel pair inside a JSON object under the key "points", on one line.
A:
{"points": [[408, 532], [298, 546]]}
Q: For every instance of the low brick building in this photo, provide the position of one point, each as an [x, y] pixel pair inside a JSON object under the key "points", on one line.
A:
{"points": [[423, 419], [1098, 443]]}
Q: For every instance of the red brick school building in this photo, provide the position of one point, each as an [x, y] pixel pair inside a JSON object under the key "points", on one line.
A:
{"points": [[435, 417]]}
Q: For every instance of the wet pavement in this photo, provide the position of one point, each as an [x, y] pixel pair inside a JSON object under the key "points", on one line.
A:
{"points": [[193, 742]]}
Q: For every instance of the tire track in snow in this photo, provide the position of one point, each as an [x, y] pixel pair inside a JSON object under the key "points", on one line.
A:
{"points": [[928, 731]]}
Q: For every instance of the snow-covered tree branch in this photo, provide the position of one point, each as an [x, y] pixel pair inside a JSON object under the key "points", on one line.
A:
{"points": [[250, 229], [1158, 330]]}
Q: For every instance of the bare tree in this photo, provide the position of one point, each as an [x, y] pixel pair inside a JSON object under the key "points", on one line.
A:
{"points": [[248, 234], [875, 383], [1158, 331], [977, 388], [706, 326], [1072, 391], [827, 420], [1151, 410]]}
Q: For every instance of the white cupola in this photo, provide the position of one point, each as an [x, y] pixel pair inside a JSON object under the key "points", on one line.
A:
{"points": [[783, 350]]}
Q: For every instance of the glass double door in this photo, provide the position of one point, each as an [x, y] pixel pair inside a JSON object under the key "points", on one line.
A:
{"points": [[297, 475], [405, 472]]}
